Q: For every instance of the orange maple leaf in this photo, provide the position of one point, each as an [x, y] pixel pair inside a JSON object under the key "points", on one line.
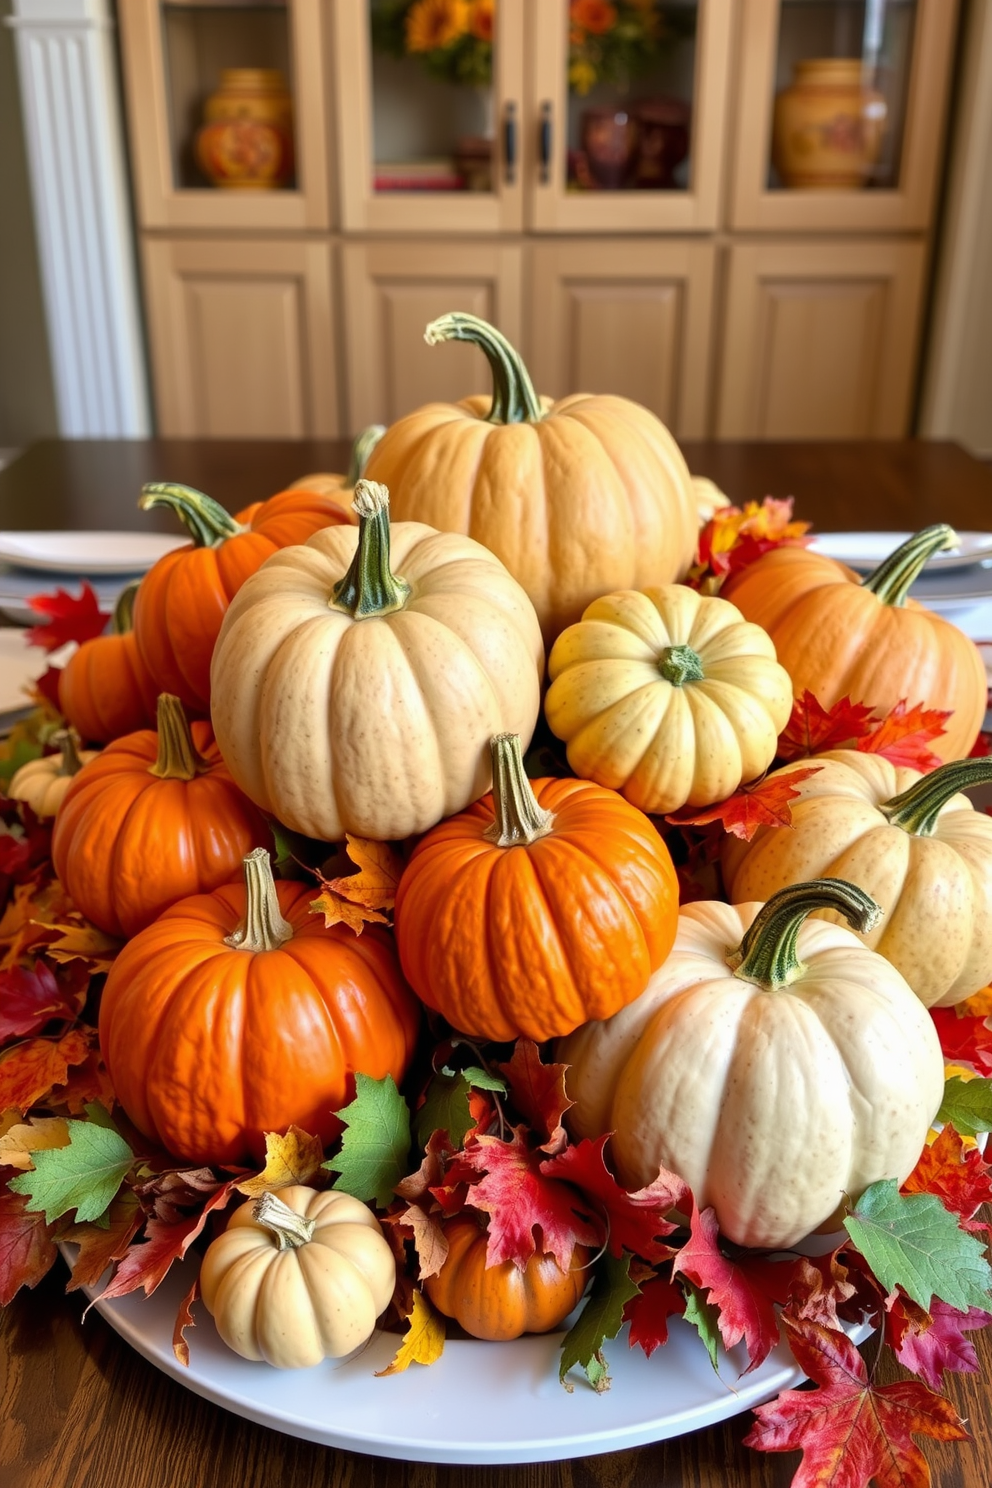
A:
{"points": [[31, 1070], [763, 805], [338, 911], [374, 885], [903, 736]]}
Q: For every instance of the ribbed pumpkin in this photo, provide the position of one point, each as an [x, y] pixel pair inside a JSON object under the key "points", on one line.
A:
{"points": [[155, 817], [840, 636], [911, 841], [341, 488], [667, 696], [105, 689], [503, 1301], [577, 498], [43, 783], [351, 698], [544, 904], [238, 1012]]}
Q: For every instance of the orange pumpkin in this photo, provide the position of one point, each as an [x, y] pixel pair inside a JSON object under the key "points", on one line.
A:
{"points": [[153, 818], [500, 1302], [841, 636], [105, 689], [542, 905], [238, 1013], [184, 596], [577, 498]]}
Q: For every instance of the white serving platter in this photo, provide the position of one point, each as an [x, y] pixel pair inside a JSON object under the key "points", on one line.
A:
{"points": [[865, 550], [87, 553]]}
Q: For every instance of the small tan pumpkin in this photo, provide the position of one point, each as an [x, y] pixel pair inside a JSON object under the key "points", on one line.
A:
{"points": [[42, 783], [341, 488]]}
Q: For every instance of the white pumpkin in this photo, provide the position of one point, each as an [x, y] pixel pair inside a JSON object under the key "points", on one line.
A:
{"points": [[42, 783]]}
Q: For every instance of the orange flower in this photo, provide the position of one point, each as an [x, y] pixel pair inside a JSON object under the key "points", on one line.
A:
{"points": [[434, 24], [481, 22], [594, 16]]}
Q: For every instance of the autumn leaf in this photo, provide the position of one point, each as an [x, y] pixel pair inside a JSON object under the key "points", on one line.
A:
{"points": [[811, 728], [763, 805], [79, 940], [910, 1240], [27, 1250], [100, 1245], [705, 1318], [30, 999], [338, 911], [169, 1193], [374, 886], [903, 736], [291, 1158], [818, 1287], [184, 1320], [376, 1141], [600, 1319], [87, 1084], [70, 619], [446, 1109], [423, 1342], [851, 1432], [634, 1221], [146, 1262], [648, 1313], [735, 536], [538, 1093], [83, 1175], [958, 1176], [29, 1071], [965, 1037], [967, 1104], [20, 1141], [934, 1341], [429, 1239]]}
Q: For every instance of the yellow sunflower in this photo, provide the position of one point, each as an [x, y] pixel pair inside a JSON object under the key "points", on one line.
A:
{"points": [[432, 25], [482, 19]]}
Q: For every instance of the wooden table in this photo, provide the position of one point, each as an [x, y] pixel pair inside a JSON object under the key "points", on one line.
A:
{"points": [[79, 1409]]}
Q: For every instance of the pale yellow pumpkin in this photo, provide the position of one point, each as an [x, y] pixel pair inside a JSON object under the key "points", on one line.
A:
{"points": [[42, 783], [911, 841], [341, 488], [668, 696], [774, 1063], [347, 697], [298, 1277]]}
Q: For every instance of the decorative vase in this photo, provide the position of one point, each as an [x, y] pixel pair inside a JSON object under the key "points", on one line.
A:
{"points": [[662, 141], [828, 126], [246, 142], [609, 141]]}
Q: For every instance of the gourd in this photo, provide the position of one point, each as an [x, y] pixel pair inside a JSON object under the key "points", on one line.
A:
{"points": [[503, 1301], [911, 841], [774, 1062], [105, 689], [545, 904], [358, 679], [184, 595], [154, 817], [237, 1012], [42, 783], [667, 696], [297, 1277], [341, 488], [840, 636], [576, 498]]}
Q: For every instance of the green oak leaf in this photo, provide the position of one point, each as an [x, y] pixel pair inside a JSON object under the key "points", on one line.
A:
{"points": [[967, 1106], [600, 1319], [376, 1143], [83, 1176], [703, 1317], [445, 1108], [910, 1240]]}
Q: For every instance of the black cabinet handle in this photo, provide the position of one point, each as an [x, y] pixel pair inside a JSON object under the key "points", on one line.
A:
{"points": [[544, 148], [510, 144]]}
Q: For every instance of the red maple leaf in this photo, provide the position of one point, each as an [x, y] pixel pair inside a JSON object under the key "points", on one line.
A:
{"points": [[964, 1038], [927, 1343], [850, 1431], [763, 805], [903, 736], [958, 1175], [538, 1093], [744, 1290], [648, 1313], [146, 1262], [812, 728], [634, 1221], [30, 999], [70, 619], [27, 1251], [47, 685]]}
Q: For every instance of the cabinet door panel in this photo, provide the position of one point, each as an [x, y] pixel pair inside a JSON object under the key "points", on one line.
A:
{"points": [[625, 318], [820, 340], [242, 338]]}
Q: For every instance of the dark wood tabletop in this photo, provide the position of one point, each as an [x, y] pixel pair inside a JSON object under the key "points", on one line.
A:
{"points": [[80, 1409]]}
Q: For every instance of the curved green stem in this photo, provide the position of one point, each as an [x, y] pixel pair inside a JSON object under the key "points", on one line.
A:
{"points": [[363, 446], [370, 587], [514, 398], [679, 665], [178, 757], [206, 521], [264, 927], [768, 955], [122, 620], [916, 810], [291, 1230], [519, 818], [65, 741], [892, 579]]}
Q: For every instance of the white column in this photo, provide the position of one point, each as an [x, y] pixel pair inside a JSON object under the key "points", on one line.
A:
{"points": [[76, 159]]}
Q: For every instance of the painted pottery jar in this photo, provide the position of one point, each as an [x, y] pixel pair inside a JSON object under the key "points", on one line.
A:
{"points": [[828, 126], [246, 142]]}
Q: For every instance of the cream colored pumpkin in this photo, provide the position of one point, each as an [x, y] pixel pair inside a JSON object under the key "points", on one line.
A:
{"points": [[371, 712], [42, 783], [298, 1277], [925, 858], [667, 696], [709, 498], [775, 1075]]}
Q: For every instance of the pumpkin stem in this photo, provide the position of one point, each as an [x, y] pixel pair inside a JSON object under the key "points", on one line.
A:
{"points": [[263, 927], [65, 740], [514, 398], [178, 757], [291, 1230], [892, 579], [767, 955], [122, 620], [363, 446], [679, 665], [370, 587], [206, 521], [916, 810], [519, 819]]}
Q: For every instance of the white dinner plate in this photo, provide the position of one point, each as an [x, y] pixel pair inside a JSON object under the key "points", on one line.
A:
{"points": [[87, 552], [865, 550], [20, 665]]}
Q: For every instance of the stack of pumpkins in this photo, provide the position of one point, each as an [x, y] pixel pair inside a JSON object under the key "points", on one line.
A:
{"points": [[382, 678]]}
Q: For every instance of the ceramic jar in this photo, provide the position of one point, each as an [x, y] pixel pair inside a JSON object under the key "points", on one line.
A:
{"points": [[609, 143], [246, 142], [663, 141], [828, 126]]}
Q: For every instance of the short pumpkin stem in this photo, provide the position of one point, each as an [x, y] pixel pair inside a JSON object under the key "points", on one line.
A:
{"points": [[680, 664], [370, 587], [65, 741], [291, 1230], [178, 757], [892, 579], [514, 398], [263, 928], [916, 810], [363, 446], [122, 620], [768, 956], [519, 819], [206, 521]]}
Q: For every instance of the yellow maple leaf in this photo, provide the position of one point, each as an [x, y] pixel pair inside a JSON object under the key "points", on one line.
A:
{"points": [[338, 911], [291, 1158], [79, 940], [40, 1135], [379, 870], [423, 1342]]}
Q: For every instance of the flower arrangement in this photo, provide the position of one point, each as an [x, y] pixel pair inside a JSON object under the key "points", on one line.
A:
{"points": [[452, 38]]}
